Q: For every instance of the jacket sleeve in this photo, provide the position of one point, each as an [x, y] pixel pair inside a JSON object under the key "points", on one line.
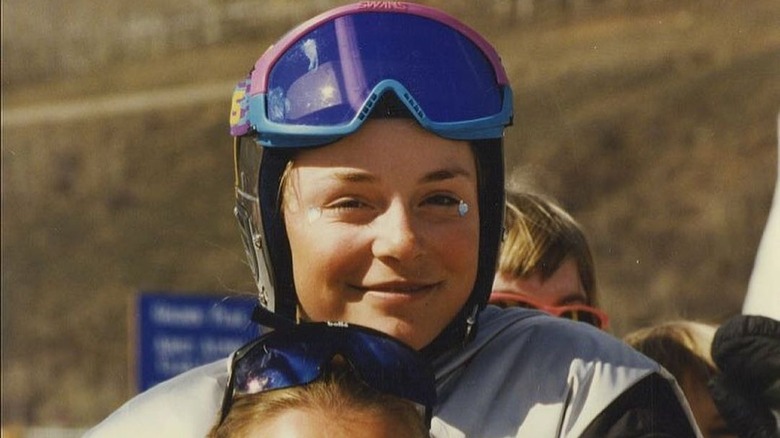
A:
{"points": [[763, 297], [650, 408], [746, 349]]}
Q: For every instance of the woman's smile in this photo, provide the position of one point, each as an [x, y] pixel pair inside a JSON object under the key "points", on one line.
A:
{"points": [[397, 292], [398, 287]]}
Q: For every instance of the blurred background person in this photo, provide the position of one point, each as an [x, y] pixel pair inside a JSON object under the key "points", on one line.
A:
{"points": [[730, 374], [683, 348], [546, 262]]}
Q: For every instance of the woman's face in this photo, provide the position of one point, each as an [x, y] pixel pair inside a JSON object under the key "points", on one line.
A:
{"points": [[378, 233]]}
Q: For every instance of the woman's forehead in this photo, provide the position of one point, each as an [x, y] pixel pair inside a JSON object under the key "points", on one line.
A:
{"points": [[391, 145]]}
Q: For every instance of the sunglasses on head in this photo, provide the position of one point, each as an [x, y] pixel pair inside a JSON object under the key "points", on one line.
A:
{"points": [[322, 79], [298, 355], [575, 312]]}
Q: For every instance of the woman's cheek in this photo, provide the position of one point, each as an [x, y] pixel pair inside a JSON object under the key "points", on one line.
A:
{"points": [[459, 246]]}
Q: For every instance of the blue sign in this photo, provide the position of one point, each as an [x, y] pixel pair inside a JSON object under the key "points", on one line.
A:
{"points": [[178, 332]]}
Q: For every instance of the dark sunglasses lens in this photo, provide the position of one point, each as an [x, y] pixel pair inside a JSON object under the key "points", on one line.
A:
{"points": [[298, 357], [582, 315], [267, 366]]}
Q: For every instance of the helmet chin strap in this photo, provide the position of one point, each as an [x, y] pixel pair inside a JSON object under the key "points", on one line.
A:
{"points": [[471, 321], [266, 318]]}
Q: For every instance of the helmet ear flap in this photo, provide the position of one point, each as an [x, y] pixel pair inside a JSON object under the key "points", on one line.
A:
{"points": [[276, 254], [258, 210], [489, 156], [245, 227], [247, 162]]}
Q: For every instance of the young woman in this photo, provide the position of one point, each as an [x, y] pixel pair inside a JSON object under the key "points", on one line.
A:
{"points": [[370, 189]]}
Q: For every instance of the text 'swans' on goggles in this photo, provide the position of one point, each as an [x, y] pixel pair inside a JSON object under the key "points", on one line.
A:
{"points": [[321, 80], [575, 312], [298, 355]]}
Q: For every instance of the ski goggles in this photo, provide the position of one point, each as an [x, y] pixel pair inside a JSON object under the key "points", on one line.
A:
{"points": [[298, 355], [575, 312], [322, 79]]}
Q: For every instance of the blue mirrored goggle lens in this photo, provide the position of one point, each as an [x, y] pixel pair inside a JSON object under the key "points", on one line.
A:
{"points": [[295, 358], [325, 78], [266, 368]]}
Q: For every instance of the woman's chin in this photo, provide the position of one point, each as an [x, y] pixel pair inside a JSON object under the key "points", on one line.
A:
{"points": [[404, 330]]}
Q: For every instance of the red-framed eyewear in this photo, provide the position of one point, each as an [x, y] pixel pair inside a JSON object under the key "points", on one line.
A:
{"points": [[575, 312]]}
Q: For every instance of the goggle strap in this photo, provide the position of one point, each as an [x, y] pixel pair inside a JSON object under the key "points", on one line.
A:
{"points": [[266, 318]]}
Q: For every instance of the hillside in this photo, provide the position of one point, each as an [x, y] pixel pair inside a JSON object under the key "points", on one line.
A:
{"points": [[655, 127]]}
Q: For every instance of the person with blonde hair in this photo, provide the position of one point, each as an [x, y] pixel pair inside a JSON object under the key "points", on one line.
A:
{"points": [[332, 379], [683, 348], [730, 374], [546, 262]]}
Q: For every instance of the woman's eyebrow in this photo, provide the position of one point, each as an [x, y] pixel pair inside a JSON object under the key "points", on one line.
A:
{"points": [[445, 174], [353, 176], [357, 176]]}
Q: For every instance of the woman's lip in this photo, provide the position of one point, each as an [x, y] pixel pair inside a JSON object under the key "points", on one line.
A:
{"points": [[397, 288]]}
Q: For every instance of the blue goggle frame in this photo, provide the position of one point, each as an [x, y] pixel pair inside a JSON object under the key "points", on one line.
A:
{"points": [[271, 134]]}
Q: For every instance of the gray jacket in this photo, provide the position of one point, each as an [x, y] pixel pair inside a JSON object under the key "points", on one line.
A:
{"points": [[525, 374]]}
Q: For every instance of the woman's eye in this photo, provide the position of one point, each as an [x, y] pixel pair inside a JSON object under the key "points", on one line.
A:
{"points": [[350, 210], [347, 204], [443, 206], [442, 200]]}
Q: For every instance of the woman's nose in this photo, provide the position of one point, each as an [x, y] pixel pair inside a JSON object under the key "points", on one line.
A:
{"points": [[397, 236]]}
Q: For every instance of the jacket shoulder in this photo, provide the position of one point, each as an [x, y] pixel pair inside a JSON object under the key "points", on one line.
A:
{"points": [[183, 406]]}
